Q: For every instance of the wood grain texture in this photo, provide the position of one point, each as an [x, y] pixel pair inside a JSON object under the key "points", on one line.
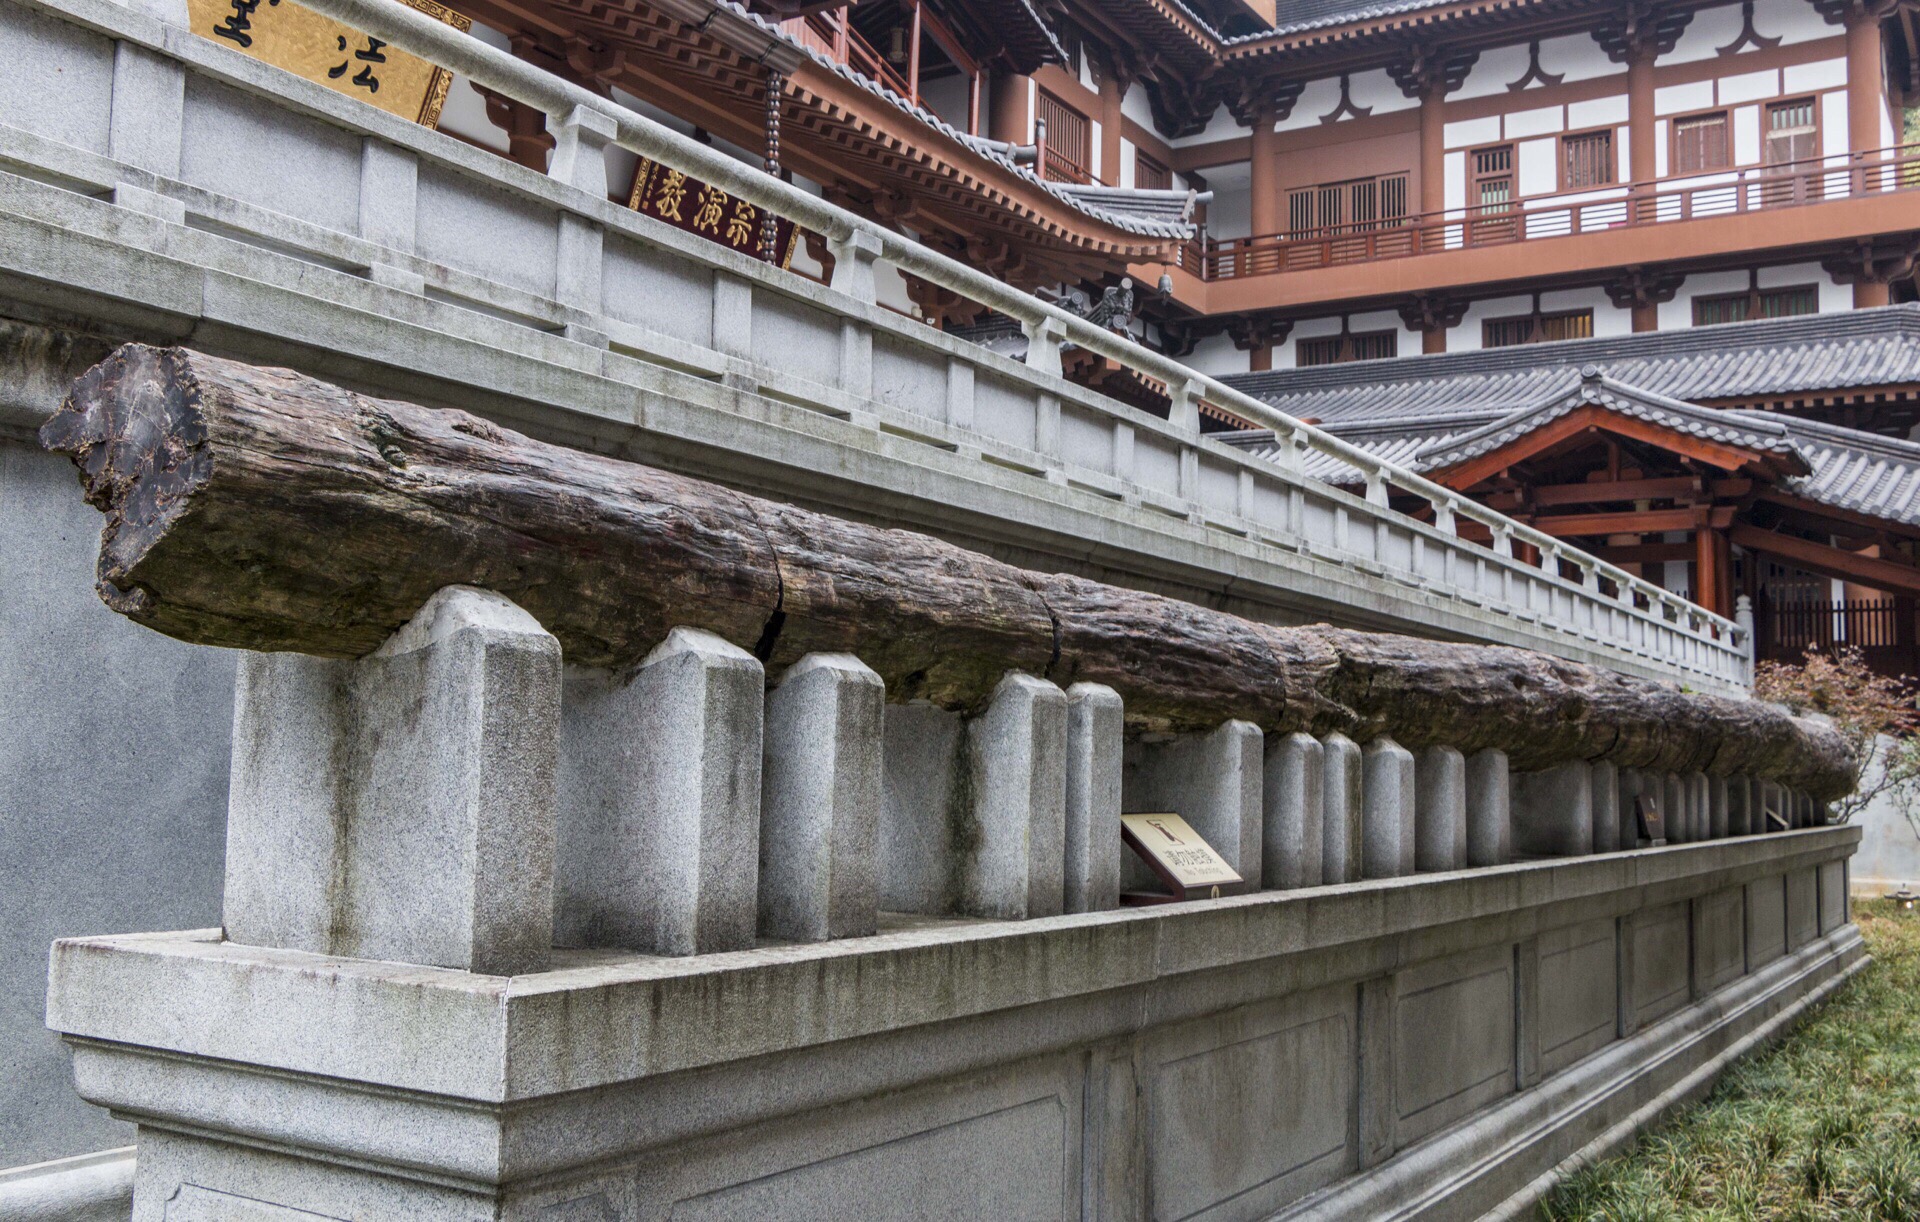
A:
{"points": [[263, 509]]}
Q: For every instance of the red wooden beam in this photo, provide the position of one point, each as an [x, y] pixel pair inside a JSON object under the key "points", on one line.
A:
{"points": [[1829, 561]]}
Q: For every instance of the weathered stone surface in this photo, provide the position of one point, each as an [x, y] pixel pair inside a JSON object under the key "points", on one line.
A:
{"points": [[660, 834], [1095, 739], [1553, 811], [1606, 805], [1489, 809], [1295, 797], [1341, 831], [820, 788], [402, 806], [1018, 767], [1387, 804], [202, 465], [1440, 809]]}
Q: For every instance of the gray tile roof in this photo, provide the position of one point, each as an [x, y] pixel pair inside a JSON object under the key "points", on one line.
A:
{"points": [[1814, 353], [1862, 472], [1747, 430]]}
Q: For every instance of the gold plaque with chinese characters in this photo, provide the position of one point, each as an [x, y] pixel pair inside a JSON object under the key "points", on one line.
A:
{"points": [[1177, 850], [700, 208], [321, 49]]}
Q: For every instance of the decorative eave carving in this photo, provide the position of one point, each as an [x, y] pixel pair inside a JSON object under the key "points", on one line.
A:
{"points": [[1874, 261], [1427, 312], [1639, 287], [1273, 99], [1432, 72], [1259, 331], [1643, 27]]}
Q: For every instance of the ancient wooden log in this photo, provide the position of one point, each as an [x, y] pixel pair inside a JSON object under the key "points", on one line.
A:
{"points": [[263, 509]]}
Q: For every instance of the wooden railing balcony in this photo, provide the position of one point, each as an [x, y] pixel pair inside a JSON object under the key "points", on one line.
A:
{"points": [[1626, 205], [833, 35]]}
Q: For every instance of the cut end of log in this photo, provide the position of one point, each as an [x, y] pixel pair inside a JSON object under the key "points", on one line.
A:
{"points": [[134, 428]]}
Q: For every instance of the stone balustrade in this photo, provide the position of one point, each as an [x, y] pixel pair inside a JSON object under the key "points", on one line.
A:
{"points": [[149, 147]]}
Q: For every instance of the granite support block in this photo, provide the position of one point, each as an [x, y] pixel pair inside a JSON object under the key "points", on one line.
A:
{"points": [[1719, 818], [1095, 741], [1388, 809], [1017, 758], [1629, 785], [1673, 805], [1553, 811], [820, 793], [1699, 806], [402, 806], [1294, 792], [1605, 784], [1740, 791], [1440, 810], [660, 828], [1489, 809], [1340, 826]]}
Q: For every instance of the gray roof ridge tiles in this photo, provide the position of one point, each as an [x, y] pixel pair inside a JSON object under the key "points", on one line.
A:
{"points": [[1879, 323], [1339, 12], [1597, 389]]}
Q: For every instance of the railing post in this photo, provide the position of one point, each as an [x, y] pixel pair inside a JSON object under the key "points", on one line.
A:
{"points": [[147, 115], [1744, 634], [853, 259], [1044, 339], [581, 138]]}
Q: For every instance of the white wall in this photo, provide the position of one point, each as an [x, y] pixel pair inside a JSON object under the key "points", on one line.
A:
{"points": [[1217, 356]]}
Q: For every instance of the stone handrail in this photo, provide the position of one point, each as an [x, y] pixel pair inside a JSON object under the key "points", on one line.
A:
{"points": [[1049, 328], [1634, 622]]}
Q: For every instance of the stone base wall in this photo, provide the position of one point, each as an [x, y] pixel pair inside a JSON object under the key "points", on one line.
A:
{"points": [[1420, 1047]]}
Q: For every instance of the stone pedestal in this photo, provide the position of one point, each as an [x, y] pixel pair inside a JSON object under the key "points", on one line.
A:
{"points": [[1489, 809], [1095, 741], [1387, 796], [1295, 798], [1553, 811], [820, 791], [401, 806], [660, 837], [1341, 859], [1440, 810]]}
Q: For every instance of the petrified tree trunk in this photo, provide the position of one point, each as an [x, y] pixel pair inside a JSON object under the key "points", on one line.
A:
{"points": [[263, 509]]}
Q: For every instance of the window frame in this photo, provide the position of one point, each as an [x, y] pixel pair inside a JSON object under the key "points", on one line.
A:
{"points": [[1086, 129], [1812, 103], [1537, 320], [1753, 297], [1343, 346], [1142, 157], [1673, 141], [1612, 133]]}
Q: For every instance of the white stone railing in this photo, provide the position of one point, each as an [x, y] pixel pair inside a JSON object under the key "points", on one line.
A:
{"points": [[412, 209]]}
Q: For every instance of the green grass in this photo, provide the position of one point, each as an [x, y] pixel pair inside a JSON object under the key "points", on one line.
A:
{"points": [[1826, 1124]]}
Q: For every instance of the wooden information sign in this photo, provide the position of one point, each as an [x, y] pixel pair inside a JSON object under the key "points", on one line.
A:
{"points": [[700, 208], [1653, 824], [326, 52], [1184, 863]]}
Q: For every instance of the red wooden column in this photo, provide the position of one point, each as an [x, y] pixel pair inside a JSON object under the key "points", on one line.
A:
{"points": [[1866, 100], [1267, 207], [1640, 144]]}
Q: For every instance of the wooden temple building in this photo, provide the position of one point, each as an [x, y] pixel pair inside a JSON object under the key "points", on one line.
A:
{"points": [[1463, 204]]}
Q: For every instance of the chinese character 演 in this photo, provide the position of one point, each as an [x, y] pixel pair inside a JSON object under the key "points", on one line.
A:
{"points": [[713, 205], [371, 55], [239, 22]]}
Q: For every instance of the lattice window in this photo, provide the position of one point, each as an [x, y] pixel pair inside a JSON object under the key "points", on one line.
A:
{"points": [[1587, 159], [1700, 143], [1339, 349], [1493, 179], [1536, 328], [1792, 132], [1069, 140], [1357, 203], [1762, 303]]}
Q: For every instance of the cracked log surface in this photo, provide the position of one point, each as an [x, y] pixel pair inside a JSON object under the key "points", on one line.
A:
{"points": [[263, 509]]}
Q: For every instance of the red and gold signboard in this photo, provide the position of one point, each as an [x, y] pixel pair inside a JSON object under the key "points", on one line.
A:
{"points": [[683, 201], [326, 52]]}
